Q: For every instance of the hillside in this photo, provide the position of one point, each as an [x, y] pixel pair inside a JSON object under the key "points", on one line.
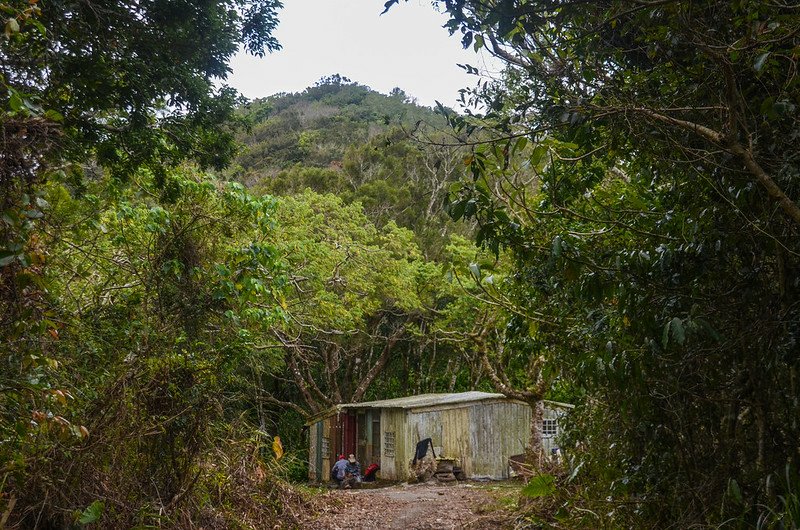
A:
{"points": [[344, 138]]}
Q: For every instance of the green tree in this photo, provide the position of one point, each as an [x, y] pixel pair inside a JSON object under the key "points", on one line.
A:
{"points": [[154, 315], [100, 75], [652, 212], [353, 297]]}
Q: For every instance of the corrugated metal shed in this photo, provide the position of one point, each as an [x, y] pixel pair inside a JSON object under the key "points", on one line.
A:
{"points": [[424, 400], [481, 430]]}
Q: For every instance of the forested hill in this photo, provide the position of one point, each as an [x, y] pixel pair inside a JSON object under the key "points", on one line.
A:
{"points": [[315, 127], [344, 138]]}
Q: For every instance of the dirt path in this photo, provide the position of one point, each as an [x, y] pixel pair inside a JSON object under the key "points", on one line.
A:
{"points": [[409, 506]]}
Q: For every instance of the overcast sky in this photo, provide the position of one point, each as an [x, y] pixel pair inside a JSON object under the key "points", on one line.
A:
{"points": [[407, 48]]}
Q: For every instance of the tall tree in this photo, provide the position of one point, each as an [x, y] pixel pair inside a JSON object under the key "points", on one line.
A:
{"points": [[96, 93], [654, 222]]}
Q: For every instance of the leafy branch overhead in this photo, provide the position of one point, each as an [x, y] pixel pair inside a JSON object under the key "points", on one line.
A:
{"points": [[638, 161]]}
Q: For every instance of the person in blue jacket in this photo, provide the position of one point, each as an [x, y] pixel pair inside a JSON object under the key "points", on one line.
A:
{"points": [[352, 472], [338, 470]]}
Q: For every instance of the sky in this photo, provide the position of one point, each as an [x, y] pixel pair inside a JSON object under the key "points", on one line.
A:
{"points": [[407, 48]]}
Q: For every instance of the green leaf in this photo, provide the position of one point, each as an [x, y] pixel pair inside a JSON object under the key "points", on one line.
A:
{"points": [[457, 210], [540, 486], [758, 65], [6, 258], [475, 270], [734, 491], [15, 101], [12, 26], [557, 246], [674, 328], [678, 333], [33, 214], [39, 26], [54, 115], [479, 43], [92, 513]]}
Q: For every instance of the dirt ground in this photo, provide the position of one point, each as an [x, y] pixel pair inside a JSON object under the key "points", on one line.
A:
{"points": [[426, 506]]}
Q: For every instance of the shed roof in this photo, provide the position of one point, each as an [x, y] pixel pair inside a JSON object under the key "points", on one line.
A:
{"points": [[424, 400]]}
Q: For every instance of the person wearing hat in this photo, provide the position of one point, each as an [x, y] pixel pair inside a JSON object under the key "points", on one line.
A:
{"points": [[352, 474], [339, 470]]}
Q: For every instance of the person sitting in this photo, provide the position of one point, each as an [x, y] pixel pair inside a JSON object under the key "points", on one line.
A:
{"points": [[352, 474], [338, 471]]}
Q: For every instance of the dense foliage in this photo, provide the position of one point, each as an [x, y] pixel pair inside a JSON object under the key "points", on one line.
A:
{"points": [[344, 138], [128, 288], [631, 183], [164, 325], [652, 209]]}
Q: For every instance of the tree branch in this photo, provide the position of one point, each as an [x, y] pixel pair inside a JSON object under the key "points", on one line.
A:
{"points": [[379, 365], [745, 155]]}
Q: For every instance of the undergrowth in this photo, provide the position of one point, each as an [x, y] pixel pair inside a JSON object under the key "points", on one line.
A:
{"points": [[235, 484]]}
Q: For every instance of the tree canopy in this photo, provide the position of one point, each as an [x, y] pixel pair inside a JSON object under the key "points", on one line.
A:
{"points": [[186, 277], [651, 208]]}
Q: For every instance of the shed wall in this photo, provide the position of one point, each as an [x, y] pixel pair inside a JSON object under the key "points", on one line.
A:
{"points": [[313, 448], [448, 430], [498, 431], [326, 443], [393, 429], [480, 435]]}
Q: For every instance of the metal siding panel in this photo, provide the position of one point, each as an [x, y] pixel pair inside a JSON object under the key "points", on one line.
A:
{"points": [[318, 452], [392, 468], [369, 450], [477, 441], [497, 431], [455, 436], [404, 447], [327, 458], [425, 425], [312, 453]]}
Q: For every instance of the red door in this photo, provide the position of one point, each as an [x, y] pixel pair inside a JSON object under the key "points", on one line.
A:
{"points": [[349, 434]]}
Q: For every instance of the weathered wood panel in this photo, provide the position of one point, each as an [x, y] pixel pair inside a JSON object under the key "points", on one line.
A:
{"points": [[393, 444], [497, 431], [313, 445], [327, 450]]}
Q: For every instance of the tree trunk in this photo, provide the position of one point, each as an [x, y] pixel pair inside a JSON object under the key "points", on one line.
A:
{"points": [[534, 453]]}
